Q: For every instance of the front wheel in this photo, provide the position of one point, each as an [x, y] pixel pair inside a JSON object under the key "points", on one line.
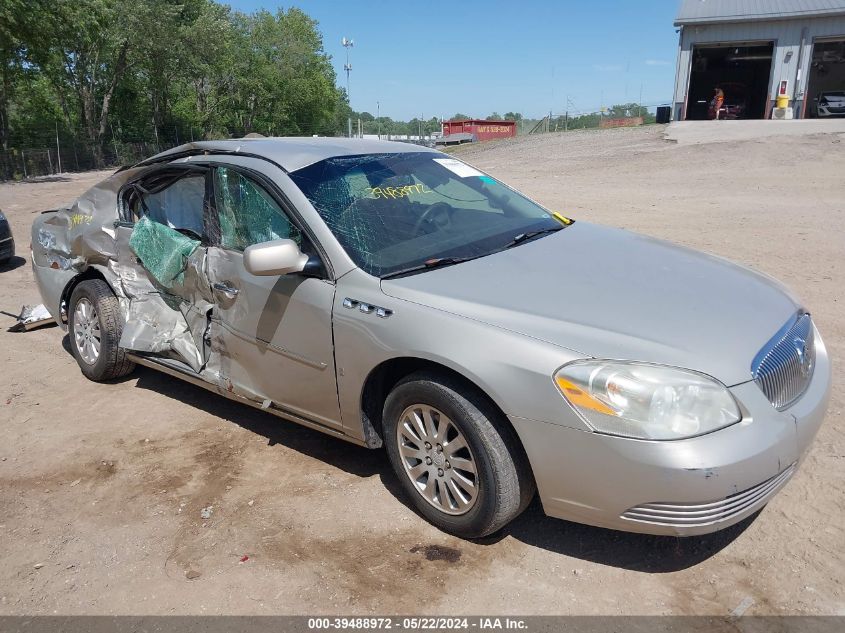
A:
{"points": [[457, 459], [94, 325]]}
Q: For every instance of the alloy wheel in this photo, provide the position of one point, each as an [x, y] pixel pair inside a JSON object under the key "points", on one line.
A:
{"points": [[437, 459], [86, 331]]}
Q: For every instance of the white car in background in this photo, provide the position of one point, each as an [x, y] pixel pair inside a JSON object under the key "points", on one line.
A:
{"points": [[831, 104]]}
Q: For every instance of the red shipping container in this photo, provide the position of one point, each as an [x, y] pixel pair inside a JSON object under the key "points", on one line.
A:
{"points": [[482, 130]]}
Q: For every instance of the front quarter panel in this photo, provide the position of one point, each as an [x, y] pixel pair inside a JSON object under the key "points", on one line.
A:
{"points": [[512, 369]]}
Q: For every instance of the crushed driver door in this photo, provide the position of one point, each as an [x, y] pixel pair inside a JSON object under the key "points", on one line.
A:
{"points": [[271, 336]]}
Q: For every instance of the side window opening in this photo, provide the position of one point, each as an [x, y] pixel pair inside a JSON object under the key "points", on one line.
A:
{"points": [[176, 201], [247, 214], [167, 209]]}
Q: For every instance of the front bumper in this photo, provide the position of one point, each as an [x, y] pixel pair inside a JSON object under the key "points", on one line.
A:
{"points": [[829, 111], [683, 487]]}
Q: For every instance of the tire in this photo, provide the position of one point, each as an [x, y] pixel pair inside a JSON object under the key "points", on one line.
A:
{"points": [[94, 323], [502, 485]]}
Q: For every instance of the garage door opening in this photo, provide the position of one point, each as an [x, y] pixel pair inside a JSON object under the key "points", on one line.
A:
{"points": [[826, 85], [742, 72]]}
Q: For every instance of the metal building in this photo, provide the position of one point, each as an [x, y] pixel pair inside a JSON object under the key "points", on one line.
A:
{"points": [[757, 50]]}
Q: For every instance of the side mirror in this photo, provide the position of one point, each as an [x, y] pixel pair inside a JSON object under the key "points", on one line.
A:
{"points": [[278, 257]]}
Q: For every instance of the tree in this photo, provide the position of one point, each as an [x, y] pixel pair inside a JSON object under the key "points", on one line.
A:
{"points": [[90, 45], [513, 116], [21, 30], [161, 70], [342, 113], [284, 81], [203, 95], [460, 117], [621, 111], [495, 117], [387, 125], [170, 55], [10, 57]]}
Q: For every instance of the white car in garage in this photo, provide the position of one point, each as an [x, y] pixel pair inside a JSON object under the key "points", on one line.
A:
{"points": [[831, 104]]}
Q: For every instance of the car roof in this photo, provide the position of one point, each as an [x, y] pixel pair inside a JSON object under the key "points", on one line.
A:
{"points": [[292, 153]]}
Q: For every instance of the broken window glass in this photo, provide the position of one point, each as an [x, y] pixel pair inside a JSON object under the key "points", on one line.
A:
{"points": [[247, 213], [163, 251], [396, 211]]}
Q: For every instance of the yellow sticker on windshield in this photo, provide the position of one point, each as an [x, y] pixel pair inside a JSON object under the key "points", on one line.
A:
{"points": [[381, 193]]}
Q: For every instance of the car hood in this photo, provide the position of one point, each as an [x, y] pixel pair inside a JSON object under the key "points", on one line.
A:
{"points": [[609, 293]]}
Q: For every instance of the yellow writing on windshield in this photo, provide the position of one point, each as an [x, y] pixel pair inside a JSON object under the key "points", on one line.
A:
{"points": [[382, 193]]}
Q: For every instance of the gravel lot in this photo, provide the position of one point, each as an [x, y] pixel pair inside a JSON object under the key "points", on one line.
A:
{"points": [[102, 486]]}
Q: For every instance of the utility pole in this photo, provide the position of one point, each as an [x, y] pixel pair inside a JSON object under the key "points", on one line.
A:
{"points": [[640, 104], [378, 118], [569, 106], [566, 115], [601, 109], [347, 44]]}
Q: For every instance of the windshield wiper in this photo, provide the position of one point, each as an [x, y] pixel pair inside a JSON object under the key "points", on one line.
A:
{"points": [[524, 237], [428, 265]]}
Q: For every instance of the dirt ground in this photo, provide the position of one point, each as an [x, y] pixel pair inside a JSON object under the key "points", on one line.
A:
{"points": [[102, 485]]}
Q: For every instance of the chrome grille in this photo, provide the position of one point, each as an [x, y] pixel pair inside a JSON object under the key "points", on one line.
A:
{"points": [[784, 367], [701, 514]]}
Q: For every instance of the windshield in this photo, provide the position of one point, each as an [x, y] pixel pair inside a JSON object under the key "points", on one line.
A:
{"points": [[392, 212]]}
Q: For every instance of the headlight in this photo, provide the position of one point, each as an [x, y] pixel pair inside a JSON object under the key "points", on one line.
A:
{"points": [[646, 401]]}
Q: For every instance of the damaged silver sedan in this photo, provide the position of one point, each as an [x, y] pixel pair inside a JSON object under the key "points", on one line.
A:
{"points": [[390, 295]]}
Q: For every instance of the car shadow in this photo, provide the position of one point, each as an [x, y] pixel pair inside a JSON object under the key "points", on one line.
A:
{"points": [[352, 459], [635, 552], [12, 263], [38, 179]]}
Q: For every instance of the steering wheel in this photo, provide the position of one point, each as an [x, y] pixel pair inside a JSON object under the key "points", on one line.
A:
{"points": [[438, 216]]}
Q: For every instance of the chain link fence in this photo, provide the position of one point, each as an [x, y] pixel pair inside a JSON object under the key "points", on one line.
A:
{"points": [[631, 115], [19, 164]]}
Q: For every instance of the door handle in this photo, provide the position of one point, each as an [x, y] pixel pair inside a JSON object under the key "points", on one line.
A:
{"points": [[230, 292]]}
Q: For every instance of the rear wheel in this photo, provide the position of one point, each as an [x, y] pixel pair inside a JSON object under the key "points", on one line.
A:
{"points": [[95, 326], [459, 462]]}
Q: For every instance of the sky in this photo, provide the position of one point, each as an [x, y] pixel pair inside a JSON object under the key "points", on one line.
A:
{"points": [[437, 57]]}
